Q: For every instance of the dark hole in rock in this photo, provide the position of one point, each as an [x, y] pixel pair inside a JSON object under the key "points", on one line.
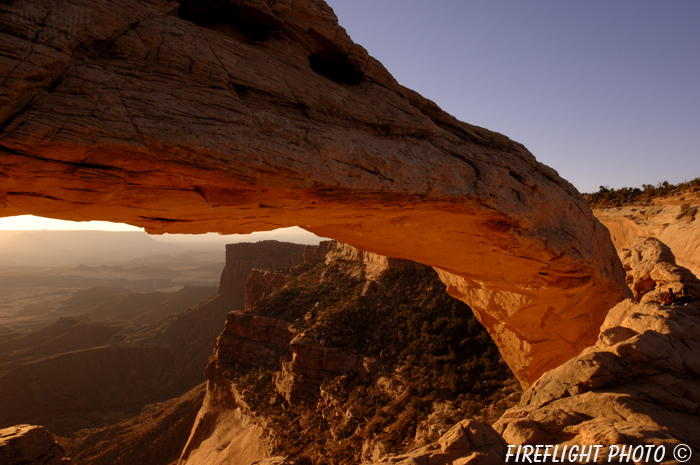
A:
{"points": [[516, 176], [336, 68], [240, 22]]}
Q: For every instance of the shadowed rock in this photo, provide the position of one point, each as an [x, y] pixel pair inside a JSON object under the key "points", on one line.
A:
{"points": [[27, 444], [237, 116]]}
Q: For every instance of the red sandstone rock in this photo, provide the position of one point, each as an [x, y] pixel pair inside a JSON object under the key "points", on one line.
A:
{"points": [[243, 257], [652, 270], [638, 385], [262, 283], [468, 442], [26, 444], [261, 341], [248, 115]]}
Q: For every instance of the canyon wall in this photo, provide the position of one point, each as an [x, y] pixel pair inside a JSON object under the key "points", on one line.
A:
{"points": [[242, 258], [243, 115], [346, 358], [679, 230]]}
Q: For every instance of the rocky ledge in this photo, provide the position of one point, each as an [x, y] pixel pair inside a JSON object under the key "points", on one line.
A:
{"points": [[27, 444]]}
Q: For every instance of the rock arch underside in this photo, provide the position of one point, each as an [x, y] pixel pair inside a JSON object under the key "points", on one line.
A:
{"points": [[235, 116]]}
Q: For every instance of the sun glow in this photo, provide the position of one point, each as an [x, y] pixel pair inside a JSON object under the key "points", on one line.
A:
{"points": [[33, 223]]}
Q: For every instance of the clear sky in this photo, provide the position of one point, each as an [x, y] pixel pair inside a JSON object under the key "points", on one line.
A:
{"points": [[605, 92]]}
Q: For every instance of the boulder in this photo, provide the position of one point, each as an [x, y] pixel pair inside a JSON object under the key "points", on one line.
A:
{"points": [[28, 444], [651, 270], [236, 116]]}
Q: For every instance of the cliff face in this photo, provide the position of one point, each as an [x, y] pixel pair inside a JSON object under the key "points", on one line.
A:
{"points": [[242, 258], [673, 221], [155, 436], [337, 365], [262, 283], [246, 115]]}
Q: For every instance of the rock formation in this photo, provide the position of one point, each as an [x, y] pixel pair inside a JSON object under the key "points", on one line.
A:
{"points": [[466, 443], [255, 340], [262, 283], [26, 444], [652, 270], [336, 366], [241, 115], [242, 258], [155, 436], [639, 385], [664, 221]]}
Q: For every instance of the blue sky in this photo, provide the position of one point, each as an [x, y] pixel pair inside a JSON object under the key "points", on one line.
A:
{"points": [[605, 92]]}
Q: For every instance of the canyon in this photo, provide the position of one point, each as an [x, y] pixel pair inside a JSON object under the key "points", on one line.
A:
{"points": [[297, 362], [344, 359], [244, 115], [80, 372]]}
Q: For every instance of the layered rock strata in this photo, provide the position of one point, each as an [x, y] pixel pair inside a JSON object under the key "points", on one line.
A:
{"points": [[259, 341], [667, 222], [242, 115], [243, 257], [356, 375], [262, 283], [27, 444]]}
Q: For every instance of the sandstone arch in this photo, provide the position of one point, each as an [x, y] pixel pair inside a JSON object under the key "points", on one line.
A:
{"points": [[214, 119]]}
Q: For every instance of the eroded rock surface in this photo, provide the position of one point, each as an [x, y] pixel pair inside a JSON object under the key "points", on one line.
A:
{"points": [[638, 385], [466, 443], [243, 115], [259, 341], [652, 270], [27, 444], [357, 357], [674, 222], [243, 257], [262, 283]]}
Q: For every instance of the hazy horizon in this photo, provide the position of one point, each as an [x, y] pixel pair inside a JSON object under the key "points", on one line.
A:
{"points": [[35, 223]]}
